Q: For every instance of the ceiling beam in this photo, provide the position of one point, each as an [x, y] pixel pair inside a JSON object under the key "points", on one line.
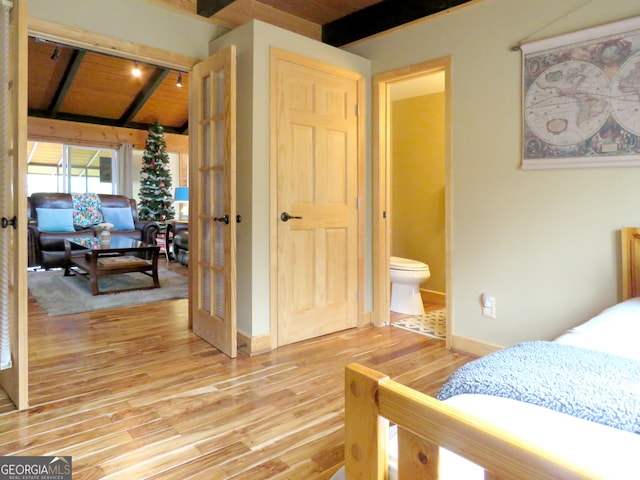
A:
{"points": [[67, 80], [208, 8], [59, 131], [155, 80], [380, 17], [107, 122]]}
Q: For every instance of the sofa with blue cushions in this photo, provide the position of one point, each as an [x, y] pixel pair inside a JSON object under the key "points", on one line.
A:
{"points": [[54, 217]]}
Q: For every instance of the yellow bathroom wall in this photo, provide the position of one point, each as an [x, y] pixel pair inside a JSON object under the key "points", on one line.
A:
{"points": [[418, 184]]}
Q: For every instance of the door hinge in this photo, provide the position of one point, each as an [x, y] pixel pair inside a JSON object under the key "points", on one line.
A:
{"points": [[357, 110], [357, 203], [384, 214]]}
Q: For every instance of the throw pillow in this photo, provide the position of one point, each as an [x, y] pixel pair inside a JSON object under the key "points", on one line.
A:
{"points": [[86, 209], [55, 219], [121, 218]]}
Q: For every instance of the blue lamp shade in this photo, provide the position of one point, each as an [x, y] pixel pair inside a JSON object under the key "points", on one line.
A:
{"points": [[181, 194]]}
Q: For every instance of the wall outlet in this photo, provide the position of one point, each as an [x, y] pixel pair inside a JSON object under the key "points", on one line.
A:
{"points": [[488, 306]]}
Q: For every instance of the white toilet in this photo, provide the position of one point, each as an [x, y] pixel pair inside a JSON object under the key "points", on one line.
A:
{"points": [[406, 277]]}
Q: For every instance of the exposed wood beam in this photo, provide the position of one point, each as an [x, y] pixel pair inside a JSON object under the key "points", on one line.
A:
{"points": [[207, 8], [107, 122], [155, 80], [380, 17], [59, 131], [67, 80], [243, 11]]}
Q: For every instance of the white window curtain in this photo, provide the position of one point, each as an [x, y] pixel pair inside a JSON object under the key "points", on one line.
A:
{"points": [[125, 159]]}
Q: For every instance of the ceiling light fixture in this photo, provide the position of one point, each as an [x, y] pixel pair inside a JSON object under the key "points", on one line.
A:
{"points": [[179, 82], [136, 70], [55, 56]]}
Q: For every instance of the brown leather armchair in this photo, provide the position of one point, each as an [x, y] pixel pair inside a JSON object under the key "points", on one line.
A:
{"points": [[180, 239], [46, 248]]}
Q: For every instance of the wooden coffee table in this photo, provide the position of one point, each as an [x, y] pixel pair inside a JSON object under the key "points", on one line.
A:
{"points": [[120, 255]]}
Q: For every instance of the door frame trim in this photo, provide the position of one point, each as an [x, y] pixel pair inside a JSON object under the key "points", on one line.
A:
{"points": [[274, 55], [96, 42], [381, 186]]}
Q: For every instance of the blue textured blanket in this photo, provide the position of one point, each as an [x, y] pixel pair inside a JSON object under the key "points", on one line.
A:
{"points": [[588, 384]]}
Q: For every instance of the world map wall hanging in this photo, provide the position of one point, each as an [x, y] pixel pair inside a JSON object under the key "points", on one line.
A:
{"points": [[581, 98]]}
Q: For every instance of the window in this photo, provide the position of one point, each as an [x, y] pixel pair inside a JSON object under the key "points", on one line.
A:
{"points": [[54, 167]]}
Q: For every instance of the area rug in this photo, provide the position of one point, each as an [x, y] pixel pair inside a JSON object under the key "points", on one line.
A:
{"points": [[432, 324], [60, 295]]}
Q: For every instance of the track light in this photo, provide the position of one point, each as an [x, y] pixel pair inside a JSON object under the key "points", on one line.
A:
{"points": [[55, 56], [136, 70], [179, 82]]}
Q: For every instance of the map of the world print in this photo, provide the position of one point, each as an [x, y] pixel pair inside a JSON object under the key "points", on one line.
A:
{"points": [[582, 99]]}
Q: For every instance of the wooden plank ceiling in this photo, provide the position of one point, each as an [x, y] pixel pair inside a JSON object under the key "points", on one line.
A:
{"points": [[67, 83]]}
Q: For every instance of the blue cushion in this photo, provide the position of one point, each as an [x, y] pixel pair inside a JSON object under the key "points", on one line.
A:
{"points": [[55, 219], [121, 218]]}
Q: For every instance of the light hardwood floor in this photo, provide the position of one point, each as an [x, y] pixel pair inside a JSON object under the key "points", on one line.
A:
{"points": [[131, 393]]}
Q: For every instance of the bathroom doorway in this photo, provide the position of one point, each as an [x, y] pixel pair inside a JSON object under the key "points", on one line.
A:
{"points": [[411, 190]]}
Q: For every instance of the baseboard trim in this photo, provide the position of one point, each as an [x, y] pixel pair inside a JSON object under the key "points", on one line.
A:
{"points": [[472, 347], [430, 296], [254, 345]]}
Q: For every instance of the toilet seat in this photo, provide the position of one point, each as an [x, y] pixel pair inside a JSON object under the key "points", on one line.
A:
{"points": [[405, 264]]}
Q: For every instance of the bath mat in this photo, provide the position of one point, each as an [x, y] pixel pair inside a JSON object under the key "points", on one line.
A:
{"points": [[432, 324]]}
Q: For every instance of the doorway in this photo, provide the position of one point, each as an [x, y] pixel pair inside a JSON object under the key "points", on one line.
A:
{"points": [[411, 180], [98, 43]]}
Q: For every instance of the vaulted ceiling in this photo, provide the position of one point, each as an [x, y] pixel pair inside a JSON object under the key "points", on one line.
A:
{"points": [[67, 83]]}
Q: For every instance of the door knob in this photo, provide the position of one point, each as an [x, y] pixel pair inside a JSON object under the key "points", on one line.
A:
{"points": [[285, 217], [13, 222], [224, 219]]}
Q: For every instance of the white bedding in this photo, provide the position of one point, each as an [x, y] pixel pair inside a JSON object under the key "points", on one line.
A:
{"points": [[616, 330], [610, 452]]}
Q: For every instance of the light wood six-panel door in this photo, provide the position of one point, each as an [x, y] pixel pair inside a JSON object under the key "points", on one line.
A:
{"points": [[316, 150]]}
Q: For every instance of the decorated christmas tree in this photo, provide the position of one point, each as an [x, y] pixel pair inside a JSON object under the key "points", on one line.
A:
{"points": [[156, 200]]}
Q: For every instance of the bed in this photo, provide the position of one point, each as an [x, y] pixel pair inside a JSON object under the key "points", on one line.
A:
{"points": [[472, 431]]}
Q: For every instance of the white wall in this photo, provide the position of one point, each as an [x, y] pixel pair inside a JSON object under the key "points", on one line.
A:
{"points": [[544, 243], [135, 20]]}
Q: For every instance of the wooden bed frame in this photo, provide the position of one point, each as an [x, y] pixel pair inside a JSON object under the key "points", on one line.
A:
{"points": [[372, 400], [630, 262]]}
